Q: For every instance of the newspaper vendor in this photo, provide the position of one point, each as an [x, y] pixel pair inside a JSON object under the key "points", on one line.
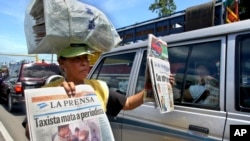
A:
{"points": [[75, 64]]}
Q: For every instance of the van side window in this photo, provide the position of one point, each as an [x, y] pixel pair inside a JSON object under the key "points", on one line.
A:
{"points": [[115, 71], [141, 75], [178, 57], [243, 73], [197, 76]]}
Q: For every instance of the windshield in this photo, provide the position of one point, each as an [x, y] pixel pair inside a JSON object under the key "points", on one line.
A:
{"points": [[39, 70], [14, 69]]}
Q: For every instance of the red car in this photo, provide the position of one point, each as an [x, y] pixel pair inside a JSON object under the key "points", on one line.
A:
{"points": [[25, 76]]}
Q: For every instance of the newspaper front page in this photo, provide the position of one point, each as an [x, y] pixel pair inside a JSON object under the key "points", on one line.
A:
{"points": [[52, 116], [159, 71]]}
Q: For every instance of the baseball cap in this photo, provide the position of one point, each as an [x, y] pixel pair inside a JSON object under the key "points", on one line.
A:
{"points": [[74, 50]]}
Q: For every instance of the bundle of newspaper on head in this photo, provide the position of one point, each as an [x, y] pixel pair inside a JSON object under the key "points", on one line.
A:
{"points": [[51, 25]]}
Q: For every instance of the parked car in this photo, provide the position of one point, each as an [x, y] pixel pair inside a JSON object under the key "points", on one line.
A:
{"points": [[25, 76], [225, 47]]}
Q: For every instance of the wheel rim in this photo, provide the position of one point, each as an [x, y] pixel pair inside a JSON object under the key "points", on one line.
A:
{"points": [[9, 102]]}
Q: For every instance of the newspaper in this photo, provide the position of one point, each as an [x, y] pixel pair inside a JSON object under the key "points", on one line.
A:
{"points": [[49, 110], [158, 72]]}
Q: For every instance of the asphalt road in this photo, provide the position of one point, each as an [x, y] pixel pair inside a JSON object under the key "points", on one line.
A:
{"points": [[12, 121]]}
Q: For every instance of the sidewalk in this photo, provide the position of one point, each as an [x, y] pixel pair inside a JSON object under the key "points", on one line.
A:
{"points": [[4, 135]]}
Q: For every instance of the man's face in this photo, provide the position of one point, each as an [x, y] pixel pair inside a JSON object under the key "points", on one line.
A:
{"points": [[76, 67], [202, 71]]}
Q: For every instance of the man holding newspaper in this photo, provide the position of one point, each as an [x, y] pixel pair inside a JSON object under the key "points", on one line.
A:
{"points": [[75, 64]]}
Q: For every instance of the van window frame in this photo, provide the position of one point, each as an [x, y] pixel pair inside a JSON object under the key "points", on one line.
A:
{"points": [[222, 40], [238, 79], [134, 70]]}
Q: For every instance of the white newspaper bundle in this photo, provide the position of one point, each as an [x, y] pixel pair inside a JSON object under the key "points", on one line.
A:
{"points": [[49, 110], [51, 25]]}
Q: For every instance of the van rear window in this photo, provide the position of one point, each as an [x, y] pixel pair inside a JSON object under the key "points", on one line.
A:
{"points": [[39, 70]]}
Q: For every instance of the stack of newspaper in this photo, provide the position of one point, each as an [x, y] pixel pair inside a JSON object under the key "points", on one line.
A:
{"points": [[158, 72], [39, 27], [51, 25]]}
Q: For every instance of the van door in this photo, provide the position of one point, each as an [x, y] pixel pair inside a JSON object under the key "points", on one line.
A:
{"points": [[238, 81], [115, 70], [197, 118]]}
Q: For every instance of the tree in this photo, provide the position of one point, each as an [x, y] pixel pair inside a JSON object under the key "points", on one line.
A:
{"points": [[163, 7]]}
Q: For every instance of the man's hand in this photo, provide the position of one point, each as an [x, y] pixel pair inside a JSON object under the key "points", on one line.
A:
{"points": [[69, 88], [172, 79], [205, 94]]}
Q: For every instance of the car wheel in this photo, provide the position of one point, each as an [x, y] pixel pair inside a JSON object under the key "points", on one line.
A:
{"points": [[10, 103]]}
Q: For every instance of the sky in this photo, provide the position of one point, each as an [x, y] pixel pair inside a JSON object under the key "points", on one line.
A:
{"points": [[121, 13]]}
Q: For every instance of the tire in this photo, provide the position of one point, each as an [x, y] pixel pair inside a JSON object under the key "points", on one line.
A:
{"points": [[10, 103]]}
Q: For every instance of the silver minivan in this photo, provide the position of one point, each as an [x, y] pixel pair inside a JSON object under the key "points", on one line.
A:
{"points": [[225, 49]]}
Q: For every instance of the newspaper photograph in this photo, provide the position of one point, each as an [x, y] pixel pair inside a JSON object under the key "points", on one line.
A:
{"points": [[159, 73], [52, 116]]}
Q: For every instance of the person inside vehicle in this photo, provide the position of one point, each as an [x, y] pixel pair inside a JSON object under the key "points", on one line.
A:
{"points": [[75, 64], [198, 93]]}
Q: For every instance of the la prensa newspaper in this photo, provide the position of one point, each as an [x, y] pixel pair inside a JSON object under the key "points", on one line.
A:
{"points": [[52, 116], [158, 68]]}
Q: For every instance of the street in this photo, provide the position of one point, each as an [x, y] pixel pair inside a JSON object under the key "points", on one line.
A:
{"points": [[13, 121]]}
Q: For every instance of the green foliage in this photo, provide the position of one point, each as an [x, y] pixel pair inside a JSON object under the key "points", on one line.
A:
{"points": [[163, 7]]}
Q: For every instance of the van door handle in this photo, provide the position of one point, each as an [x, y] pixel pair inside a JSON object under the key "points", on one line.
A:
{"points": [[198, 129]]}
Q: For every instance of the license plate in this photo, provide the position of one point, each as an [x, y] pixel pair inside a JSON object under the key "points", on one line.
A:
{"points": [[29, 87]]}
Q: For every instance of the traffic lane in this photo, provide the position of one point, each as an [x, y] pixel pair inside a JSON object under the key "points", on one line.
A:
{"points": [[13, 121], [4, 134]]}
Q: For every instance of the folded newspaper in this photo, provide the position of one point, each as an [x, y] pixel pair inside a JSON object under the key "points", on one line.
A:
{"points": [[51, 25], [158, 73], [50, 111]]}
